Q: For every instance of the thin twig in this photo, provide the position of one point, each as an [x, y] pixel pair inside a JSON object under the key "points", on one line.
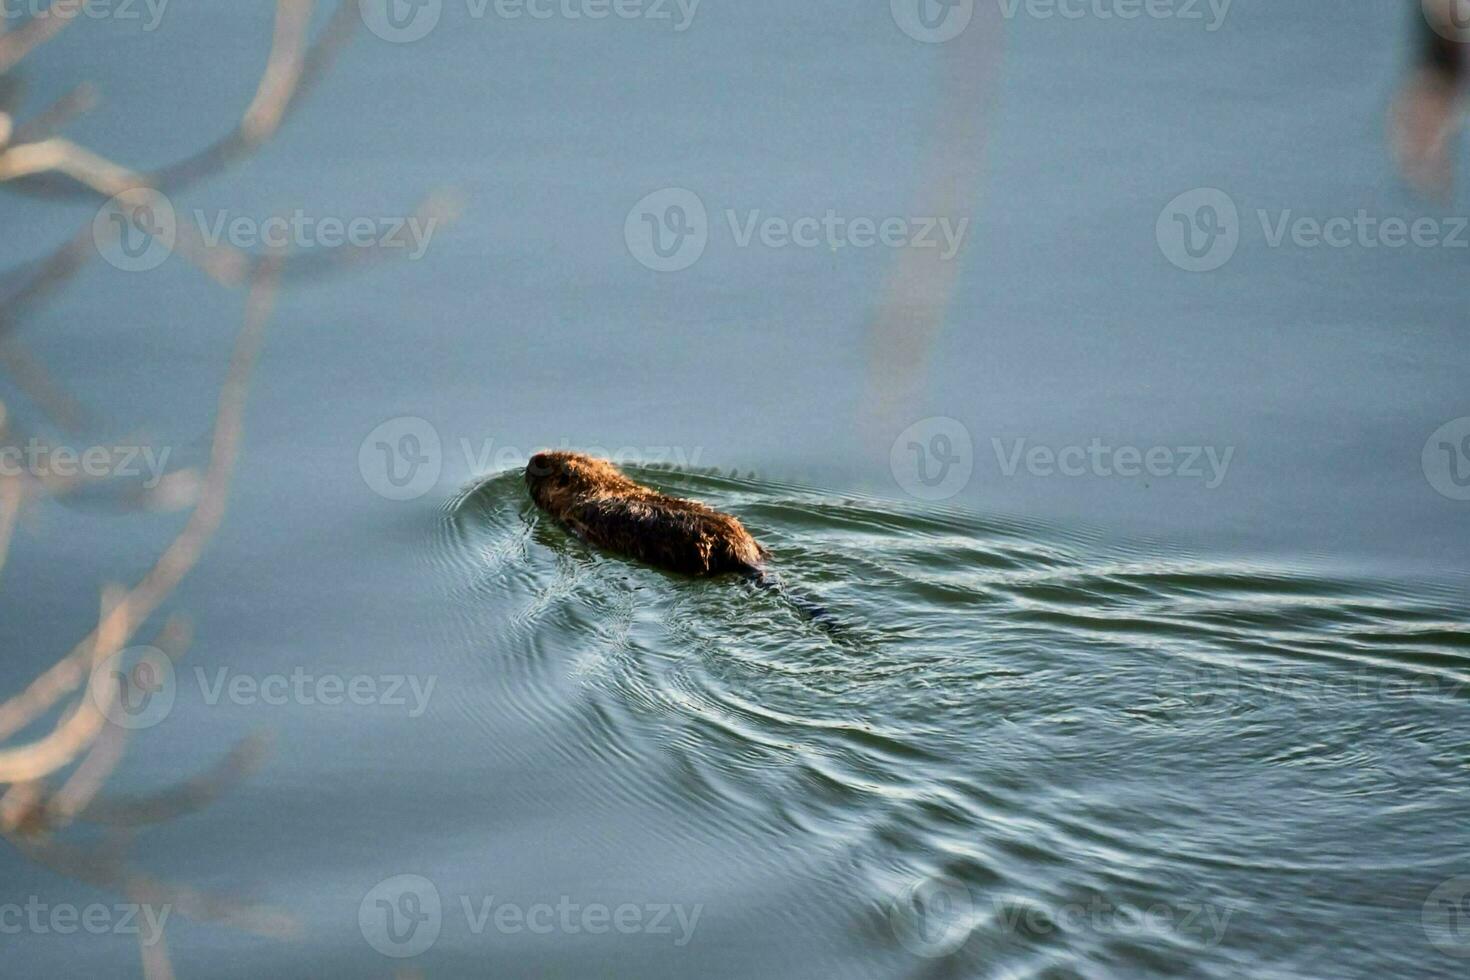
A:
{"points": [[156, 962], [33, 33], [58, 749], [104, 869]]}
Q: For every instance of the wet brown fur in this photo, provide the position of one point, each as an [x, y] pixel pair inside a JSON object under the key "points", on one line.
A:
{"points": [[594, 500]]}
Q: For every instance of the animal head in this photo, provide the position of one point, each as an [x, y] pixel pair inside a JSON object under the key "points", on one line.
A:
{"points": [[557, 479]]}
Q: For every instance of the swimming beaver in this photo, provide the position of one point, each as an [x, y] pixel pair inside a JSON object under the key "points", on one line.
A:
{"points": [[600, 505]]}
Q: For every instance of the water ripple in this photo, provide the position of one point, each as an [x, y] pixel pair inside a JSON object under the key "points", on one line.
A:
{"points": [[1012, 707]]}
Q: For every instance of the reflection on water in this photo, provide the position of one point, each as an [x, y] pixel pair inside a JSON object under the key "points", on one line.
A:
{"points": [[1148, 763], [1174, 726]]}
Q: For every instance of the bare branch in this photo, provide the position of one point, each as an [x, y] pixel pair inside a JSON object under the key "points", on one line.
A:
{"points": [[156, 962], [58, 749], [38, 384], [291, 70], [282, 71], [108, 870], [79, 100], [32, 34], [187, 797]]}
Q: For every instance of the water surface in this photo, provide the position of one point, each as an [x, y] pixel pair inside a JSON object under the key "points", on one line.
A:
{"points": [[1083, 726]]}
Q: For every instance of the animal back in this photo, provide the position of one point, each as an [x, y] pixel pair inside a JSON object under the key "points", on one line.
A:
{"points": [[679, 535]]}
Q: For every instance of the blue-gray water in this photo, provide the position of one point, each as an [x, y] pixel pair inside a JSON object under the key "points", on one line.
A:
{"points": [[1096, 725]]}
